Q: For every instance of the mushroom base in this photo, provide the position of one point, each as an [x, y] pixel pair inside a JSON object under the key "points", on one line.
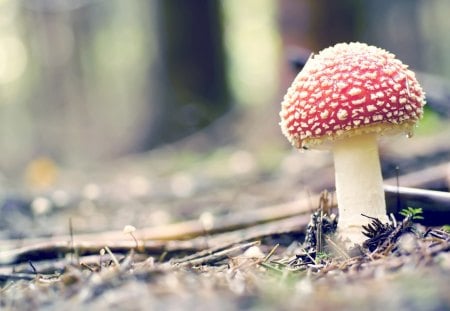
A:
{"points": [[359, 185]]}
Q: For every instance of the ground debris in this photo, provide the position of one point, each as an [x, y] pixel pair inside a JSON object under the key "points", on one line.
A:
{"points": [[247, 268], [390, 247]]}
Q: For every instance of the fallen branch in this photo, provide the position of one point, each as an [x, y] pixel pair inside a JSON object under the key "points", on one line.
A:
{"points": [[177, 231], [434, 177], [58, 249], [434, 204]]}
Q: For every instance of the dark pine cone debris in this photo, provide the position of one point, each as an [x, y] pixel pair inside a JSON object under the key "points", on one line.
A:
{"points": [[381, 235]]}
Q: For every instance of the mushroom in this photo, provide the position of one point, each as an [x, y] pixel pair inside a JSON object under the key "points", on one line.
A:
{"points": [[344, 99]]}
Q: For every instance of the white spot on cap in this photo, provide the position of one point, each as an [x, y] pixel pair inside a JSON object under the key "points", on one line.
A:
{"points": [[326, 83], [359, 101], [317, 94], [369, 86], [324, 114], [389, 70], [371, 108], [354, 91], [303, 94], [377, 117], [342, 114], [341, 85], [380, 94], [372, 75], [357, 111]]}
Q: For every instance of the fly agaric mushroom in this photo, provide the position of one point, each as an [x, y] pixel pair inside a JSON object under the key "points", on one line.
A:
{"points": [[343, 99]]}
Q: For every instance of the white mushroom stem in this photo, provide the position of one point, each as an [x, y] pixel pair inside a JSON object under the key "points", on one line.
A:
{"points": [[359, 185]]}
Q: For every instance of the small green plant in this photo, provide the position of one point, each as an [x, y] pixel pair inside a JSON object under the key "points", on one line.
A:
{"points": [[323, 256], [446, 228], [415, 213]]}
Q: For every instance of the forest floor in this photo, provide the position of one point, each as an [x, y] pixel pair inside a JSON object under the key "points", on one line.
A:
{"points": [[237, 228]]}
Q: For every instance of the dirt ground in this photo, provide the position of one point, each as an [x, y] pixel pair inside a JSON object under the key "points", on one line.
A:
{"points": [[180, 228]]}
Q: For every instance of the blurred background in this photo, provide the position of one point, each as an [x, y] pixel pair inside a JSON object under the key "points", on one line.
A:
{"points": [[89, 81]]}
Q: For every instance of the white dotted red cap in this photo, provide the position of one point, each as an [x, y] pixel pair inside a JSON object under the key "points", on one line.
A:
{"points": [[349, 89]]}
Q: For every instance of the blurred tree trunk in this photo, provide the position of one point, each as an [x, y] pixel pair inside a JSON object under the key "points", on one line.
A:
{"points": [[335, 21], [316, 24], [193, 61], [310, 25]]}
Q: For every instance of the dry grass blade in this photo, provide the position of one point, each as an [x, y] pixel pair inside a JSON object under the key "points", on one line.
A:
{"points": [[215, 256]]}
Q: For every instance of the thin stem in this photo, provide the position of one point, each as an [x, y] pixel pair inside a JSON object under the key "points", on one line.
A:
{"points": [[359, 184]]}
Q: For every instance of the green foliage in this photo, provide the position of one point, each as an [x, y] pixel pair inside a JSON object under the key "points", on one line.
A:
{"points": [[446, 228], [323, 256], [413, 213]]}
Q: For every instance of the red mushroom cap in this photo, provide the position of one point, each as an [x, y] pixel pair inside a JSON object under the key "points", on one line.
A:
{"points": [[349, 89]]}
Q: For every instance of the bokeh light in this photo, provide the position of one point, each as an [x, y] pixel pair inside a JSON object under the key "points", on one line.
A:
{"points": [[13, 58], [252, 45]]}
